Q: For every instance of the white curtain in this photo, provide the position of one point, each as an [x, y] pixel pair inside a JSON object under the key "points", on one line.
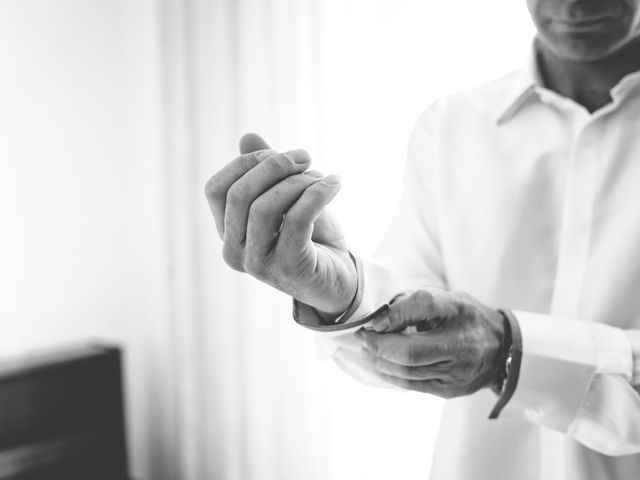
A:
{"points": [[115, 115]]}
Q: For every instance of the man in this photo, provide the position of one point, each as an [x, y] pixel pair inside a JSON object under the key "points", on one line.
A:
{"points": [[519, 195]]}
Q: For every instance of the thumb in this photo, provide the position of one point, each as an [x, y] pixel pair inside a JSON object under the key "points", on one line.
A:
{"points": [[252, 142], [426, 309], [327, 231]]}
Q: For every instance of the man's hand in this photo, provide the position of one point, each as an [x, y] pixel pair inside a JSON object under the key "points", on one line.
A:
{"points": [[269, 211], [457, 350]]}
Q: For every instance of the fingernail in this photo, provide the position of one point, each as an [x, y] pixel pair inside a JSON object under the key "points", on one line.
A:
{"points": [[381, 325], [314, 173], [299, 157], [331, 180]]}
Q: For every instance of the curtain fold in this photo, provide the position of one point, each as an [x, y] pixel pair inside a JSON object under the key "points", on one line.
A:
{"points": [[247, 401], [114, 114], [344, 79]]}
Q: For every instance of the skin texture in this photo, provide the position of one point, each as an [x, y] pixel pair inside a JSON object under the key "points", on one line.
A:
{"points": [[460, 352], [585, 47], [270, 213]]}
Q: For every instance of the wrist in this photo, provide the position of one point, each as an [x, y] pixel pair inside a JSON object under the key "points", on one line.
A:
{"points": [[313, 321], [350, 301]]}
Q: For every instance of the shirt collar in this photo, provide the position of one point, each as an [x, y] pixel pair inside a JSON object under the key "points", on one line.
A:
{"points": [[522, 88], [629, 82], [528, 80]]}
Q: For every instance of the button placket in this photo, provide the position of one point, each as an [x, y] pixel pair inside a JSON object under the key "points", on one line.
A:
{"points": [[576, 219]]}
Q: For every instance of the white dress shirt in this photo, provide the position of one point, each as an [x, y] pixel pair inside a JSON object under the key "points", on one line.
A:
{"points": [[523, 199]]}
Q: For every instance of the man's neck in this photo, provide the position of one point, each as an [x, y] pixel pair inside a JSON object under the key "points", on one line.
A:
{"points": [[588, 83]]}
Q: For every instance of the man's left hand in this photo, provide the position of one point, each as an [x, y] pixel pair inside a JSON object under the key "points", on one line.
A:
{"points": [[457, 350]]}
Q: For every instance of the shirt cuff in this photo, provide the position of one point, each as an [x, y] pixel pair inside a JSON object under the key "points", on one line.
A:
{"points": [[377, 287], [560, 357], [307, 316], [634, 339]]}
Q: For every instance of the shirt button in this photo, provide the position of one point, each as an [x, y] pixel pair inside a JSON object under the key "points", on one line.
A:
{"points": [[532, 414]]}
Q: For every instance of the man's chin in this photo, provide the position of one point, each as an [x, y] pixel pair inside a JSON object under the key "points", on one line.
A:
{"points": [[585, 50]]}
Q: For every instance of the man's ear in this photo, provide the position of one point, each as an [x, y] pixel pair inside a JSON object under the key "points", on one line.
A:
{"points": [[252, 142]]}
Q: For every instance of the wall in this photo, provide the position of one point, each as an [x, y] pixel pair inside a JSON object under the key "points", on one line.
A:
{"points": [[81, 232]]}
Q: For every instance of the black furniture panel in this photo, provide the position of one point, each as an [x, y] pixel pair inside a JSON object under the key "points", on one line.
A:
{"points": [[61, 416]]}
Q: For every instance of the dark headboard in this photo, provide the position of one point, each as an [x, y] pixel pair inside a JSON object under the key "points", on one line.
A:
{"points": [[61, 416]]}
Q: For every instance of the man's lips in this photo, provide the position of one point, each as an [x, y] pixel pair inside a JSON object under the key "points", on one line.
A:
{"points": [[583, 23]]}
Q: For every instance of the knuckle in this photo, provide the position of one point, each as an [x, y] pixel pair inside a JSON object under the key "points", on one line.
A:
{"points": [[423, 296], [254, 266], [212, 187], [446, 392], [278, 165], [315, 191], [232, 258], [467, 305], [463, 308], [245, 162], [217, 185], [300, 182], [295, 221], [443, 389], [236, 195], [259, 208]]}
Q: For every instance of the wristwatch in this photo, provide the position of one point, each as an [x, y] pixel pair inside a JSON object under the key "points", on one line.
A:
{"points": [[509, 372]]}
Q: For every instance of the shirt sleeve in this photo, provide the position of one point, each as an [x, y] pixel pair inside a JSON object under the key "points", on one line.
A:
{"points": [[579, 378], [409, 256]]}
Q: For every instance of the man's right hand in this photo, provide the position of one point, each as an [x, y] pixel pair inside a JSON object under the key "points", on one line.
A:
{"points": [[269, 211]]}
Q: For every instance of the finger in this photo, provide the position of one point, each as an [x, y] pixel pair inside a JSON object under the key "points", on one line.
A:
{"points": [[266, 213], [251, 142], [379, 324], [433, 387], [327, 231], [358, 366], [218, 185], [408, 350], [245, 190], [426, 308], [297, 226], [417, 372], [392, 324], [382, 323]]}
